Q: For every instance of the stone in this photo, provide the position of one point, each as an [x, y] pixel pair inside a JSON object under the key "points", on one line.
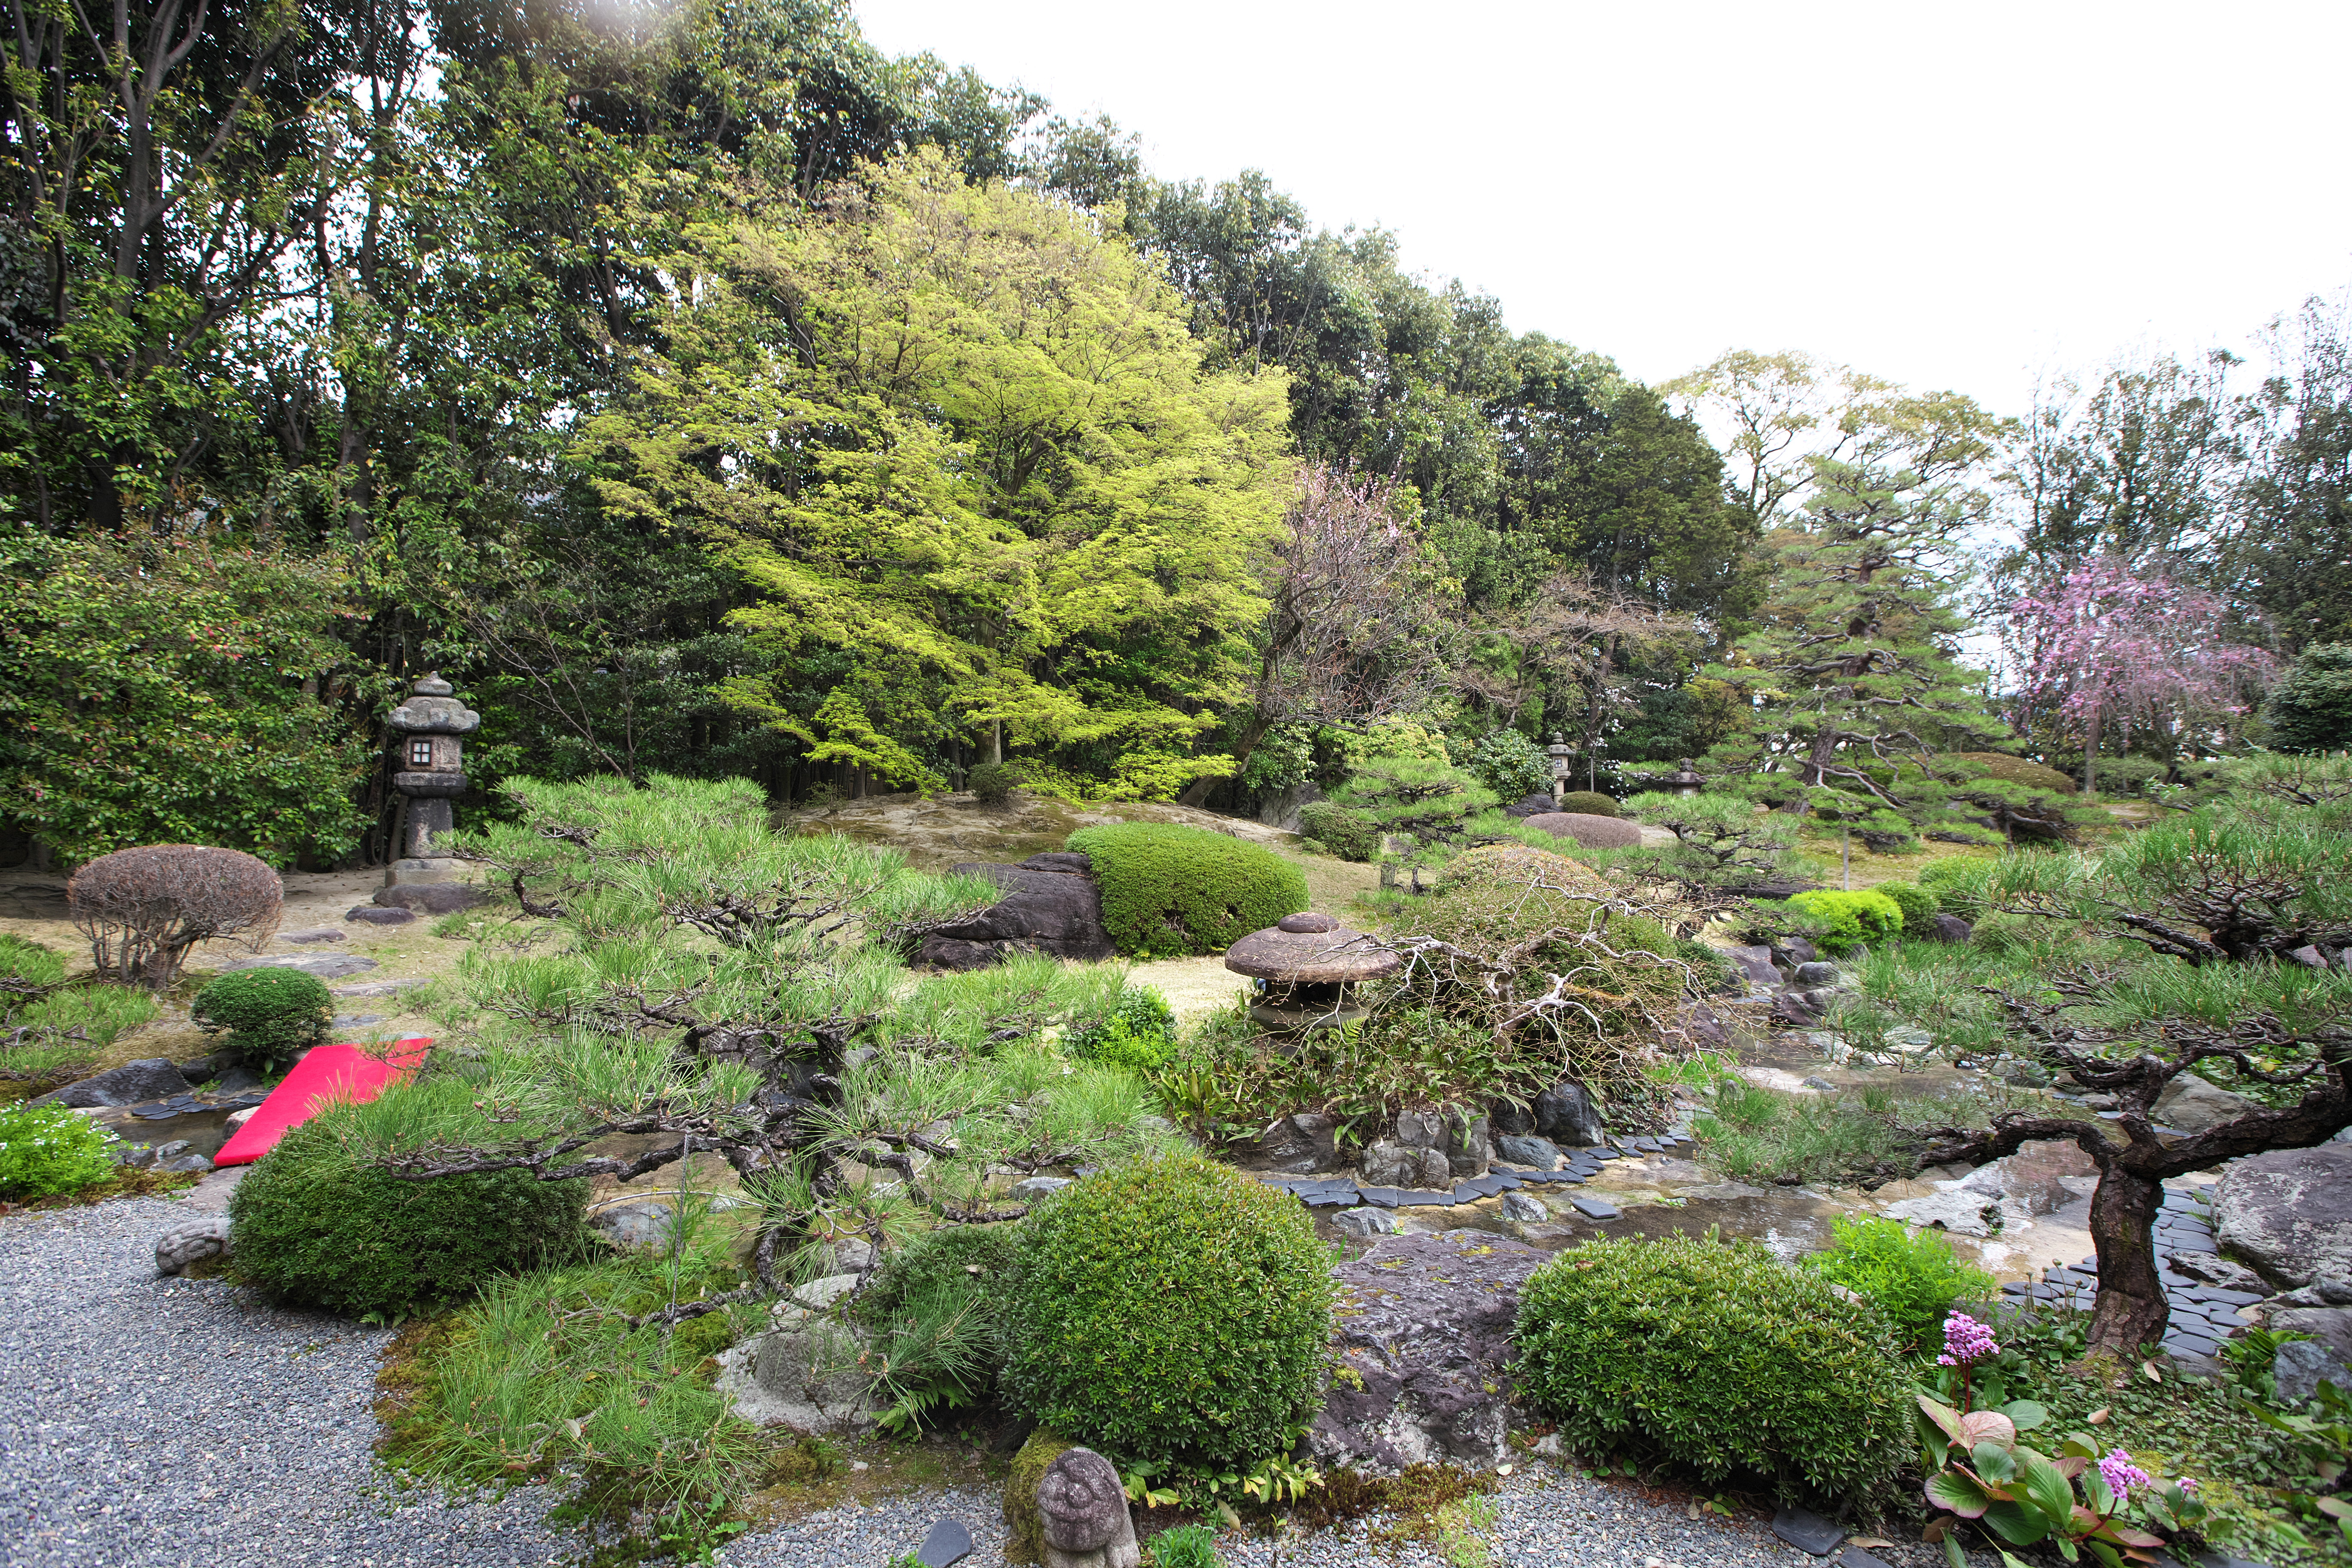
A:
{"points": [[183, 1164], [1594, 1208], [1424, 1325], [2288, 1212], [212, 1193], [2318, 1293], [1389, 1163], [1299, 1143], [133, 1083], [315, 934], [1821, 1084], [1365, 1222], [852, 1254], [1587, 831], [1419, 1128], [1803, 1008], [2221, 1273], [640, 1224], [2330, 1326], [1082, 1508], [807, 1372], [1036, 1187], [1566, 1115], [1531, 805], [1791, 952], [325, 965], [948, 1544], [237, 1119], [2301, 1365], [1756, 962], [433, 898], [1056, 912], [1958, 1210], [191, 1241], [2035, 1179], [1525, 1207], [1466, 1144], [1816, 973], [377, 915], [2193, 1105], [1541, 1154], [1808, 1531], [239, 1079], [1948, 929]]}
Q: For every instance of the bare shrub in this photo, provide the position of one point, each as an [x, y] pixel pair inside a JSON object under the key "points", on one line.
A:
{"points": [[143, 909]]}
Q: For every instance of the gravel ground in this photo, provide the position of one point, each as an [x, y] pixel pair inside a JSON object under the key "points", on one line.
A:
{"points": [[154, 1423]]}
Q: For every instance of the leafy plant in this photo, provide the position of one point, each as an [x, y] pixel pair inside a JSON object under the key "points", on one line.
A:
{"points": [[1169, 1308], [1716, 1355], [1167, 892], [1914, 1279], [1845, 920], [46, 1150], [2022, 1497], [1588, 803], [266, 1016], [1186, 1546], [1137, 1032], [1510, 765], [993, 783], [1918, 905]]}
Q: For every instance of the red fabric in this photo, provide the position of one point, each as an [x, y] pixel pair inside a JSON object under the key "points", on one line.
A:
{"points": [[324, 1073]]}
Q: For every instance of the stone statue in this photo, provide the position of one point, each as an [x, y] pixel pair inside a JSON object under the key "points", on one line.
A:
{"points": [[1084, 1509]]}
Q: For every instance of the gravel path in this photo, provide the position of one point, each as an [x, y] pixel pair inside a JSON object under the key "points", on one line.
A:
{"points": [[146, 1423]]}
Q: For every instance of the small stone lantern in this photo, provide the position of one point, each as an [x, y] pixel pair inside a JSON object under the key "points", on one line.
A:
{"points": [[1684, 782], [1558, 751], [1310, 965], [429, 730]]}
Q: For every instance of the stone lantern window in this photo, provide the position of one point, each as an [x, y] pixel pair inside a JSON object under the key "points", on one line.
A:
{"points": [[420, 753]]}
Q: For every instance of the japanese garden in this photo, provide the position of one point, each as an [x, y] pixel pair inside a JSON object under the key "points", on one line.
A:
{"points": [[754, 810]]}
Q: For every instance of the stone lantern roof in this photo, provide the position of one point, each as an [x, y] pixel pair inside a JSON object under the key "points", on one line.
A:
{"points": [[433, 709], [1311, 950]]}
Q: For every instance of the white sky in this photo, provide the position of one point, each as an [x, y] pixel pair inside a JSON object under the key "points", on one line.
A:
{"points": [[1957, 196]]}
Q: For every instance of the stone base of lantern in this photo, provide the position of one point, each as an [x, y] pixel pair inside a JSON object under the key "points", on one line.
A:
{"points": [[416, 872], [1277, 1018]]}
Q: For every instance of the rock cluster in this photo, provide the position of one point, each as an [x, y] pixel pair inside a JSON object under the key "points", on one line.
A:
{"points": [[1051, 905], [1429, 1149]]}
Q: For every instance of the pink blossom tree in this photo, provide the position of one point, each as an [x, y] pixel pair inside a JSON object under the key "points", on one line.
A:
{"points": [[2102, 643]]}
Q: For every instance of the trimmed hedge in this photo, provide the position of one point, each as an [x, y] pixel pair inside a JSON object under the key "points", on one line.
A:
{"points": [[1917, 904], [2018, 770], [1345, 832], [1172, 1308], [1588, 803], [1847, 919], [316, 1222], [268, 1016], [1718, 1356], [1170, 891]]}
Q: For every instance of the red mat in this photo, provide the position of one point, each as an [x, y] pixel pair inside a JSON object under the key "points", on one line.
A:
{"points": [[326, 1073]]}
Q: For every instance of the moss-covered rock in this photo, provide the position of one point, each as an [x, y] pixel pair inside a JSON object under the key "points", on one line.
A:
{"points": [[1022, 1520], [2018, 770]]}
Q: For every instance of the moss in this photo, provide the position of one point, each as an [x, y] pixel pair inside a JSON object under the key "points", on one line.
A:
{"points": [[1027, 1541], [2018, 770], [1172, 891]]}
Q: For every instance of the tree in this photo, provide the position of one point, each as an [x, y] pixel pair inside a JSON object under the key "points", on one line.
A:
{"points": [[2310, 710], [2101, 643], [2294, 517]]}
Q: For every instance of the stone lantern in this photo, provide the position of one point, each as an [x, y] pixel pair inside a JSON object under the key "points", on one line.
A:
{"points": [[1310, 965], [1684, 782], [1558, 751], [429, 730]]}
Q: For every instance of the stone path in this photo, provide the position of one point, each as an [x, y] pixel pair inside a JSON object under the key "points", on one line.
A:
{"points": [[2202, 1315], [1583, 1165]]}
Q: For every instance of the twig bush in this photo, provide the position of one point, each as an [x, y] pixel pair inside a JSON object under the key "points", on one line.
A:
{"points": [[142, 910]]}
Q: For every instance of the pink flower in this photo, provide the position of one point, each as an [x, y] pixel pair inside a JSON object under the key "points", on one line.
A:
{"points": [[1966, 1342], [2122, 1475]]}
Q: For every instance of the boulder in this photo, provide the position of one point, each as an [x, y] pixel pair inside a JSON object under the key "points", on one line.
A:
{"points": [[1467, 1146], [1565, 1114], [807, 1372], [1365, 1222], [1958, 1210], [2036, 1179], [325, 965], [1791, 952], [1589, 832], [377, 915], [1803, 1008], [1756, 962], [315, 934], [432, 898], [2193, 1105], [1297, 1144], [1423, 1337], [133, 1083], [191, 1241], [1810, 975], [2221, 1273], [1539, 1153], [2289, 1213], [1045, 909], [1949, 927], [1509, 1120], [1082, 1512], [1531, 805], [1525, 1207], [2301, 1365], [2329, 1326], [1387, 1164]]}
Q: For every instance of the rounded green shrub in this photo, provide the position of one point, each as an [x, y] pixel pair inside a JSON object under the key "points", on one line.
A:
{"points": [[317, 1221], [1138, 1032], [1845, 919], [267, 1016], [2018, 770], [993, 783], [1959, 883], [1588, 803], [1171, 892], [1172, 1308], [46, 1150], [1718, 1356], [1912, 1280], [2311, 709], [1347, 834], [1510, 765], [1917, 904]]}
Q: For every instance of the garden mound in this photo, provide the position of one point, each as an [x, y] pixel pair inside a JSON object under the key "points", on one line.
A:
{"points": [[1590, 832]]}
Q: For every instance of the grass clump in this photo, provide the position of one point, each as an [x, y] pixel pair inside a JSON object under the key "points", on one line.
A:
{"points": [[1169, 1308], [48, 1150], [50, 1030], [1716, 1355], [1757, 1134], [1913, 1279], [266, 1016], [1170, 891]]}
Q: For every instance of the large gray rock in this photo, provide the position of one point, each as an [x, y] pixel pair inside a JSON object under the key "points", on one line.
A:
{"points": [[379, 915], [1949, 929], [2301, 1365], [1566, 1115], [1389, 1163], [2329, 1326], [190, 1241], [1083, 1509], [325, 965], [1423, 1337], [1468, 1148], [1050, 910], [432, 898], [1540, 1153], [1531, 805], [1756, 962], [133, 1083], [2289, 1213], [2193, 1105], [1298, 1145], [807, 1372]]}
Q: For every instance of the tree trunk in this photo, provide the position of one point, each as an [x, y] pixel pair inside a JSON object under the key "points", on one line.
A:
{"points": [[2131, 1310], [2091, 752], [1252, 734], [996, 741]]}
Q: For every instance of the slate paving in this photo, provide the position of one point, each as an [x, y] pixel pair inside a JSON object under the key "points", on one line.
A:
{"points": [[1581, 1165]]}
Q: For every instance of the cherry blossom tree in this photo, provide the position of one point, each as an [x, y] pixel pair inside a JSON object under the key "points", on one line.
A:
{"points": [[2104, 643]]}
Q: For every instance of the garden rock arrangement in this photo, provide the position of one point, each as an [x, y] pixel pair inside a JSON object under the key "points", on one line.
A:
{"points": [[1051, 905], [2289, 1213]]}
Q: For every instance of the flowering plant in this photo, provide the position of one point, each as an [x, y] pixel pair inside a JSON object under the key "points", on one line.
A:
{"points": [[2020, 1497]]}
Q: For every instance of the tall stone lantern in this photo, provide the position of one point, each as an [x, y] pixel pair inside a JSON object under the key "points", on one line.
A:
{"points": [[1558, 751], [429, 730], [1684, 782]]}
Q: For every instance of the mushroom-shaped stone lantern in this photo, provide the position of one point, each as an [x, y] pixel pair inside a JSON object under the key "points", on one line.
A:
{"points": [[1684, 782], [429, 729], [1309, 962]]}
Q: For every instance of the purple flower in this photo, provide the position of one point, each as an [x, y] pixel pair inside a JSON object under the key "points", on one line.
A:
{"points": [[1966, 1342], [2122, 1475]]}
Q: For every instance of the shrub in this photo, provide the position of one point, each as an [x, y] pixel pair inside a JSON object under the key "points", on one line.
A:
{"points": [[267, 1016], [50, 1148], [2310, 710], [1347, 834], [1917, 904], [1169, 1308], [993, 783], [1510, 765], [1588, 803], [142, 910], [2018, 770], [1847, 919], [317, 1221], [1585, 830], [1960, 884], [1169, 891], [936, 1309], [1913, 1279], [1717, 1356], [1138, 1032], [1519, 866]]}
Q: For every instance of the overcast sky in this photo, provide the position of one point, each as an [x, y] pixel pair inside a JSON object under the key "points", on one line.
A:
{"points": [[1950, 196]]}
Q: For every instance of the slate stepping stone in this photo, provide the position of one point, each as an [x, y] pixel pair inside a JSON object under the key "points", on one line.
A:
{"points": [[1419, 1200], [1808, 1531], [1381, 1197], [1330, 1197], [1855, 1557], [948, 1542], [1594, 1208], [1602, 1154]]}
